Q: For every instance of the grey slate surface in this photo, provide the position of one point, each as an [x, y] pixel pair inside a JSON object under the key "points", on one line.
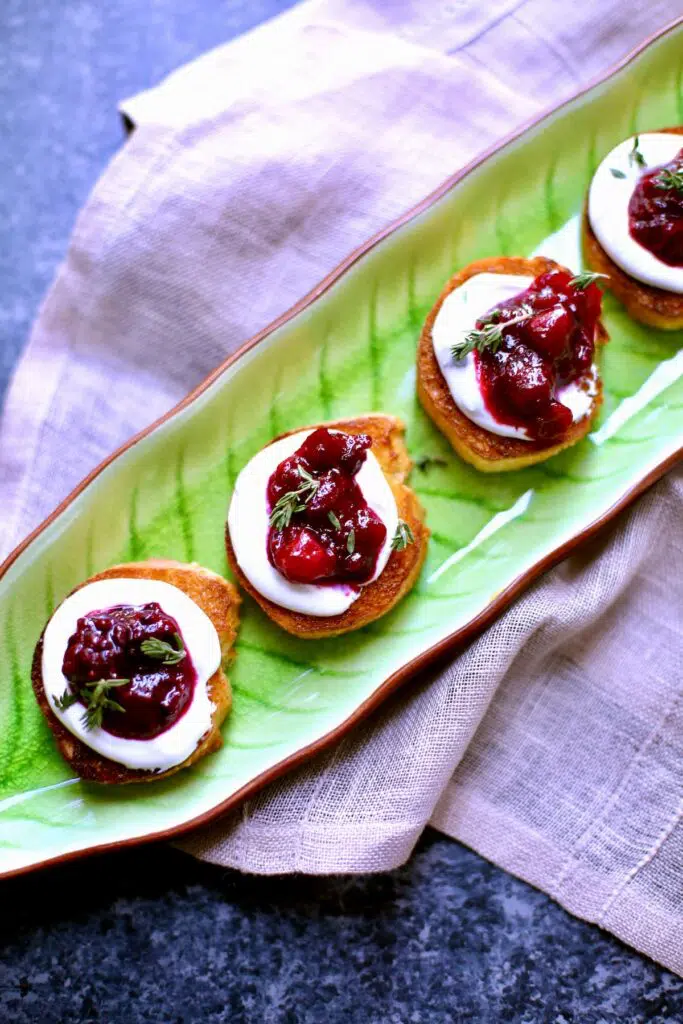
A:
{"points": [[152, 935]]}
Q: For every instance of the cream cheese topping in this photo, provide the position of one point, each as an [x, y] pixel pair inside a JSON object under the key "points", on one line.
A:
{"points": [[174, 745], [608, 201], [458, 315], [248, 522]]}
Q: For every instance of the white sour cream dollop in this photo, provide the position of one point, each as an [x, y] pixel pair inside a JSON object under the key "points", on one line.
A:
{"points": [[608, 201], [458, 315], [201, 639], [248, 524]]}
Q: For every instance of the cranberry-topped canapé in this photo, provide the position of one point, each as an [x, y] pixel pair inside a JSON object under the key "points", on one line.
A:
{"points": [[505, 364], [322, 530], [531, 346], [656, 212], [633, 226], [129, 668]]}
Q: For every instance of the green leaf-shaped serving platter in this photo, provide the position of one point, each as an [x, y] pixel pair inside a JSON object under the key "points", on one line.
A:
{"points": [[348, 348]]}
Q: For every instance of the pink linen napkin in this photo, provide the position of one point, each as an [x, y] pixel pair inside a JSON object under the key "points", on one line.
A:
{"points": [[554, 744]]}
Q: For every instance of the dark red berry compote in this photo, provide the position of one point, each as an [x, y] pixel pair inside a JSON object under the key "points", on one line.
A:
{"points": [[322, 530], [655, 212], [107, 645], [553, 345]]}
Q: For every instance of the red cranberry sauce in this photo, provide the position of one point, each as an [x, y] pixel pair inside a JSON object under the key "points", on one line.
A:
{"points": [[655, 214], [553, 347], [106, 645], [333, 536]]}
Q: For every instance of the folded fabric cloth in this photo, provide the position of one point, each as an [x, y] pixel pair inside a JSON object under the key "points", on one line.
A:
{"points": [[264, 163]]}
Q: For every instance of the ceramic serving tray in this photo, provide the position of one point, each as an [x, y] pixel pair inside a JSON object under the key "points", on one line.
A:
{"points": [[348, 348]]}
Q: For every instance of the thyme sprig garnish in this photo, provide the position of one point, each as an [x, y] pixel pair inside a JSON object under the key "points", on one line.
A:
{"points": [[66, 700], [491, 335], [164, 652], [635, 156], [293, 501], [669, 180], [96, 697], [403, 536], [334, 519], [351, 541], [585, 278], [99, 701], [492, 317]]}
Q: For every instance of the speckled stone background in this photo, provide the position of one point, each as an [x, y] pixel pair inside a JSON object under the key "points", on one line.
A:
{"points": [[152, 935]]}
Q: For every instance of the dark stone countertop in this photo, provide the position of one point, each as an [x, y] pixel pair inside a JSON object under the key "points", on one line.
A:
{"points": [[151, 935]]}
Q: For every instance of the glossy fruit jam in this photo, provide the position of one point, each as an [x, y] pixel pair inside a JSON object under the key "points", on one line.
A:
{"points": [[107, 646], [552, 346], [332, 536], [655, 212]]}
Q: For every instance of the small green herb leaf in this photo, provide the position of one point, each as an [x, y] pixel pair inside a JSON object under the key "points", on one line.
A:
{"points": [[616, 173], [308, 479], [670, 181], [96, 698], [351, 542], [403, 536], [492, 317], [585, 278], [334, 520], [67, 699], [293, 501], [162, 651], [490, 336], [635, 156]]}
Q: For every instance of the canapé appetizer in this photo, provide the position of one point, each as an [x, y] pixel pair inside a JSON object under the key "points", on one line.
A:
{"points": [[506, 361], [129, 670], [633, 226], [322, 530]]}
